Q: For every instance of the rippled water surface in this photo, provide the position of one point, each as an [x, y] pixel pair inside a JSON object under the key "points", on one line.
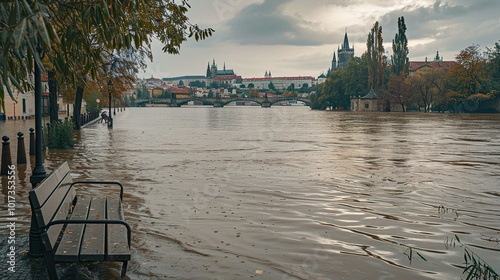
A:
{"points": [[290, 193]]}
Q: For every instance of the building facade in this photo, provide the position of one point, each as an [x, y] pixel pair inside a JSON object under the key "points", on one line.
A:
{"points": [[279, 83], [371, 102]]}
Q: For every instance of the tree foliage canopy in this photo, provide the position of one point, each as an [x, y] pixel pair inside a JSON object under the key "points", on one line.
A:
{"points": [[83, 38], [375, 57], [469, 76], [400, 60]]}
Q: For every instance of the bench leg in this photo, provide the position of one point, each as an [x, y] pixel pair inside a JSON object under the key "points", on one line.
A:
{"points": [[51, 268], [124, 269], [49, 257]]}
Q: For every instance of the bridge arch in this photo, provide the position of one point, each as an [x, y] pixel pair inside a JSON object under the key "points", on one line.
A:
{"points": [[280, 99]]}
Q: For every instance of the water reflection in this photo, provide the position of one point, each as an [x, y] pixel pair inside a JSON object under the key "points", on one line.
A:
{"points": [[290, 193]]}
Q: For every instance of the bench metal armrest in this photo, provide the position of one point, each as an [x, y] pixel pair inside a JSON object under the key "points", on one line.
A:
{"points": [[100, 183], [115, 222]]}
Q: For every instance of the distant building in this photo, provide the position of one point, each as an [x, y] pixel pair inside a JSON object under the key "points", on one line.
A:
{"points": [[321, 78], [345, 52], [371, 102], [186, 80], [437, 63], [222, 77], [279, 83], [153, 82], [179, 92]]}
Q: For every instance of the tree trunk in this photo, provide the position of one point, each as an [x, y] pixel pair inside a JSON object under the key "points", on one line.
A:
{"points": [[53, 108], [78, 108]]}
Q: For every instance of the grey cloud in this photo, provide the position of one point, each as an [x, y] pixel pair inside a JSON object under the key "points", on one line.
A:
{"points": [[265, 24], [452, 26]]}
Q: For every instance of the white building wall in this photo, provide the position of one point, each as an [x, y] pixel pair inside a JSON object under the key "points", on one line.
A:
{"points": [[23, 105], [280, 83]]}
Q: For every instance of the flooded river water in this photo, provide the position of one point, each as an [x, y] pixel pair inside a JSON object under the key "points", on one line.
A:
{"points": [[291, 193]]}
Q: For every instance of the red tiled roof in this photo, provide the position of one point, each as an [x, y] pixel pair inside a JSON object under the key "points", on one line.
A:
{"points": [[179, 90], [227, 77], [444, 65], [280, 78]]}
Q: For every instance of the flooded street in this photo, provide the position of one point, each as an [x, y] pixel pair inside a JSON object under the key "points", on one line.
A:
{"points": [[291, 193]]}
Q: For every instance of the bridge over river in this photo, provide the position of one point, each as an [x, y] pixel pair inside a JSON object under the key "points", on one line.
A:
{"points": [[264, 102]]}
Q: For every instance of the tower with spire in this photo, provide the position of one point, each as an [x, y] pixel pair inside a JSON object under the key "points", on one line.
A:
{"points": [[345, 52], [213, 69], [334, 62]]}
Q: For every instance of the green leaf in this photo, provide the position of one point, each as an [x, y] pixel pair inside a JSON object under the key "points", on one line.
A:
{"points": [[19, 33], [42, 30]]}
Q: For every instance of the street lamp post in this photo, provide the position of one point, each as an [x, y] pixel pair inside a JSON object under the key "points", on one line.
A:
{"points": [[38, 173], [110, 118], [114, 105]]}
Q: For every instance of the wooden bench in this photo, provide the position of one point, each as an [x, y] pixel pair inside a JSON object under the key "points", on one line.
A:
{"points": [[78, 229]]}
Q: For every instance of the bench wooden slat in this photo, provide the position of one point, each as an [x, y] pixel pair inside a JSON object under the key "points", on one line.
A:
{"points": [[57, 207], [117, 244], [69, 246], [43, 191], [92, 248]]}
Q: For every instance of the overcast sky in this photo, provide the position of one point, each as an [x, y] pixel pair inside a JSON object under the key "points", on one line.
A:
{"points": [[298, 37]]}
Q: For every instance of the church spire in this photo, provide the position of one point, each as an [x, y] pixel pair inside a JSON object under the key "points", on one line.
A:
{"points": [[334, 61], [346, 41], [208, 70], [224, 66]]}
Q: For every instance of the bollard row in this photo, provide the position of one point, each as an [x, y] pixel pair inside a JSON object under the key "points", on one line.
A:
{"points": [[21, 151]]}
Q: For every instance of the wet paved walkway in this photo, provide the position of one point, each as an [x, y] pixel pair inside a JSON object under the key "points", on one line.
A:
{"points": [[25, 267]]}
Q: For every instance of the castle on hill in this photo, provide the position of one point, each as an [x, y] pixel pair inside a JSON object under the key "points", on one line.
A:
{"points": [[228, 78]]}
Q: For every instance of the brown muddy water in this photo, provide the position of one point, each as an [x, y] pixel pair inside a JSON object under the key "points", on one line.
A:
{"points": [[290, 193]]}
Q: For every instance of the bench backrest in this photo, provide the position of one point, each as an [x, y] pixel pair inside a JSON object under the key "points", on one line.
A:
{"points": [[52, 200]]}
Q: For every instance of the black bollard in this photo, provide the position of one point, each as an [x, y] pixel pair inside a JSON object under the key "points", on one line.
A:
{"points": [[32, 142], [6, 158], [21, 151]]}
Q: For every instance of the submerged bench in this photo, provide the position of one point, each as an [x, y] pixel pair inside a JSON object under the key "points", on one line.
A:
{"points": [[78, 229]]}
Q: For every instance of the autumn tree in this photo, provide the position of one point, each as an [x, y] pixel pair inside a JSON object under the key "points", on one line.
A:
{"points": [[437, 77], [375, 58], [399, 58], [254, 92], [428, 87], [468, 78], [400, 90]]}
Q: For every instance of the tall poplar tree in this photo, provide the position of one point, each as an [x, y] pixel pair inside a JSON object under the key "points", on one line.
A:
{"points": [[400, 60], [375, 57]]}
